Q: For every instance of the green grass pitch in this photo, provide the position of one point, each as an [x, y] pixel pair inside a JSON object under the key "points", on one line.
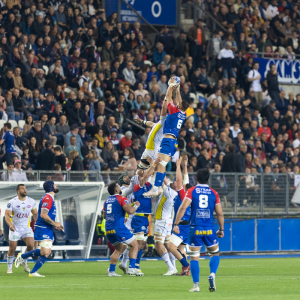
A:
{"points": [[269, 278]]}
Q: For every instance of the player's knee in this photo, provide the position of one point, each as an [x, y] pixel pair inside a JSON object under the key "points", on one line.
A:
{"points": [[213, 252], [195, 254]]}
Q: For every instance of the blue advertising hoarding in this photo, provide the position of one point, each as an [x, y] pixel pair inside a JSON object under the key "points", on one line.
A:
{"points": [[156, 12], [288, 70]]}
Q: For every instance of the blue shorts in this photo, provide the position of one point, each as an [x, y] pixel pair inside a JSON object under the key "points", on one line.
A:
{"points": [[140, 224], [168, 146], [199, 235], [41, 234], [183, 233], [120, 235]]}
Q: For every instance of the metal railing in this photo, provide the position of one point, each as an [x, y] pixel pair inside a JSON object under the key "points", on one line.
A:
{"points": [[241, 194]]}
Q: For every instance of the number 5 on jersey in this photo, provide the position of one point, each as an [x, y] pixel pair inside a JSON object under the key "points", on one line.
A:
{"points": [[203, 201], [109, 208]]}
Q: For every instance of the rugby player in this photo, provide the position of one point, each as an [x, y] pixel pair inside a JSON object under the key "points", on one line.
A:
{"points": [[179, 241], [140, 221], [43, 229], [172, 126], [163, 224], [154, 139], [19, 208], [114, 209], [124, 182], [204, 201]]}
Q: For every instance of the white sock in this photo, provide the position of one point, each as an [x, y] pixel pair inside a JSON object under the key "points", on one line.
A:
{"points": [[125, 258], [24, 261], [172, 259], [10, 261], [166, 258]]}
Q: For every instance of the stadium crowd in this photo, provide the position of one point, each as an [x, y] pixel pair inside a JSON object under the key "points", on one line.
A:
{"points": [[79, 80]]}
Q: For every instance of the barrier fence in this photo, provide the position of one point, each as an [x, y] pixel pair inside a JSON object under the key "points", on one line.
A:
{"points": [[240, 194]]}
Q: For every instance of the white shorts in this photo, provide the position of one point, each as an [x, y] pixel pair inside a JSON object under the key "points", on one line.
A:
{"points": [[20, 232], [163, 227], [128, 222], [151, 153]]}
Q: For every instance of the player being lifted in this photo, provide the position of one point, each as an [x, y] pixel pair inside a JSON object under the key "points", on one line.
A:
{"points": [[114, 209], [178, 242], [154, 139], [140, 221], [19, 208], [204, 201], [43, 229], [171, 129]]}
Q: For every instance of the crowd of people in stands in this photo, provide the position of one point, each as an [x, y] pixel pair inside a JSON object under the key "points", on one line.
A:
{"points": [[78, 80]]}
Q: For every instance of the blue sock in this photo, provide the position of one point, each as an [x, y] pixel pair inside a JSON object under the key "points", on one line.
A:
{"points": [[112, 268], [35, 252], [184, 262], [159, 179], [132, 263], [214, 264], [138, 258], [39, 263], [195, 270]]}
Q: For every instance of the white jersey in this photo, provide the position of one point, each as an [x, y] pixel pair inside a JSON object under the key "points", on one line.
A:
{"points": [[154, 139], [165, 203], [21, 210]]}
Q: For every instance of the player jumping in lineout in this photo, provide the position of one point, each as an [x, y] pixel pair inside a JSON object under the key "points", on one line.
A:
{"points": [[43, 229], [204, 201], [172, 126], [20, 208]]}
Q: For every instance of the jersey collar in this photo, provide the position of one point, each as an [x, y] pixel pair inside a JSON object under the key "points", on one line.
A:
{"points": [[204, 185]]}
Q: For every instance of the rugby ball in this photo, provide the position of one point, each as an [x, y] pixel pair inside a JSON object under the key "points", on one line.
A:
{"points": [[176, 83]]}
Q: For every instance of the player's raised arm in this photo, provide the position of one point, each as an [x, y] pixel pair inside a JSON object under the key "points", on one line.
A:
{"points": [[146, 123], [131, 209], [149, 172], [164, 109], [220, 219], [169, 94], [7, 220], [178, 173], [178, 98]]}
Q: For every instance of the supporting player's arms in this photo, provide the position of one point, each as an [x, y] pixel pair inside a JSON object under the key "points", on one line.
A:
{"points": [[131, 209], [178, 173], [147, 123], [220, 219], [169, 94], [149, 172], [46, 218], [178, 98], [8, 222], [34, 213], [182, 208], [164, 109]]}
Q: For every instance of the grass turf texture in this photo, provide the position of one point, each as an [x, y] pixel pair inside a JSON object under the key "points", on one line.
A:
{"points": [[270, 278]]}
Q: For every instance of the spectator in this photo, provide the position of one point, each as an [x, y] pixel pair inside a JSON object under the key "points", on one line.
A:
{"points": [[77, 115], [158, 54], [108, 151], [77, 164], [73, 132], [114, 162], [46, 159], [129, 74], [128, 162], [254, 77], [231, 161], [9, 139], [18, 174], [60, 158], [226, 62], [73, 146], [93, 164], [126, 141], [272, 82]]}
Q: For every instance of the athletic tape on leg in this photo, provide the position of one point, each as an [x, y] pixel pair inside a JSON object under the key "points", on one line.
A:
{"points": [[164, 163], [195, 253]]}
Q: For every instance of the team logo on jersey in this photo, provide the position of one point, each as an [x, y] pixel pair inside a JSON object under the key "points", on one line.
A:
{"points": [[45, 204], [18, 206], [215, 241], [23, 208], [28, 206], [123, 239], [46, 236], [8, 205]]}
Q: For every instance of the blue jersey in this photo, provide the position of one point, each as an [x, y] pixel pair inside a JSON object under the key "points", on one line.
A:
{"points": [[115, 214], [174, 120], [47, 202], [145, 203], [203, 200], [9, 139], [177, 202]]}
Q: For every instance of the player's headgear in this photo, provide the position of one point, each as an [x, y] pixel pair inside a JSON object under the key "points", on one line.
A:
{"points": [[49, 186], [121, 180], [143, 164]]}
